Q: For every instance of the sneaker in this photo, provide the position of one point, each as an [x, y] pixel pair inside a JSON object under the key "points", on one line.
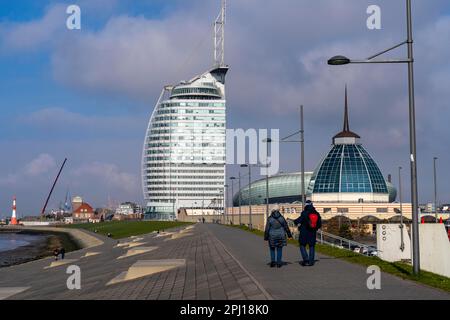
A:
{"points": [[279, 265], [272, 264], [302, 263]]}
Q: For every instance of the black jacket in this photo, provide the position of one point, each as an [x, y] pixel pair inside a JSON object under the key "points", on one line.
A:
{"points": [[307, 236]]}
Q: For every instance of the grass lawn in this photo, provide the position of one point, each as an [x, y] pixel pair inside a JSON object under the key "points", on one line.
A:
{"points": [[399, 269], [124, 229]]}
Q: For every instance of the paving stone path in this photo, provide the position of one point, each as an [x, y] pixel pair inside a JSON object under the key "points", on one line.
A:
{"points": [[209, 272], [213, 262]]}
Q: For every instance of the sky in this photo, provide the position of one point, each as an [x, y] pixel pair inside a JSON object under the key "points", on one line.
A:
{"points": [[88, 94]]}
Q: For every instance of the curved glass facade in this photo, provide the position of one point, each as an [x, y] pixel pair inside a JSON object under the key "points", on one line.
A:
{"points": [[348, 168], [283, 188], [183, 162]]}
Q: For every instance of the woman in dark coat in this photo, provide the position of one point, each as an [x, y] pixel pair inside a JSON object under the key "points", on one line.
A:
{"points": [[307, 234], [276, 234]]}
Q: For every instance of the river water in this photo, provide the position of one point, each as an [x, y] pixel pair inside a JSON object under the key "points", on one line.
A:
{"points": [[11, 241]]}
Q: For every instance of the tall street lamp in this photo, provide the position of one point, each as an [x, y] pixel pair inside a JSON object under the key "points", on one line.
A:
{"points": [[267, 141], [227, 197], [232, 194], [402, 242], [239, 198], [435, 189], [341, 60], [249, 194], [302, 154]]}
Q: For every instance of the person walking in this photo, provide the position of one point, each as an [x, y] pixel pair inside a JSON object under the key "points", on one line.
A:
{"points": [[275, 233], [308, 224], [56, 253], [62, 251]]}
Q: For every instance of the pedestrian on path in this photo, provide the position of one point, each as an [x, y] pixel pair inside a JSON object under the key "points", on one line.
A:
{"points": [[62, 251], [276, 232], [56, 253], [308, 224]]}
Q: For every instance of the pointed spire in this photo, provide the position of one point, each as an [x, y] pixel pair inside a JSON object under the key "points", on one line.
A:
{"points": [[346, 125], [346, 133]]}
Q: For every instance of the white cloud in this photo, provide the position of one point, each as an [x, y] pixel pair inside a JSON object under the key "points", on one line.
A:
{"points": [[36, 33], [61, 119], [39, 166], [105, 174], [42, 164]]}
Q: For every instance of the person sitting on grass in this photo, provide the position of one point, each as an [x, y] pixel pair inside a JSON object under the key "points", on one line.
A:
{"points": [[275, 233]]}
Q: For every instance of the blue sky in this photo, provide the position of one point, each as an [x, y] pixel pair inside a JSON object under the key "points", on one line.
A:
{"points": [[87, 94]]}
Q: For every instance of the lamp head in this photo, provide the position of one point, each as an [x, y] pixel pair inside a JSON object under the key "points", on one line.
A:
{"points": [[338, 61]]}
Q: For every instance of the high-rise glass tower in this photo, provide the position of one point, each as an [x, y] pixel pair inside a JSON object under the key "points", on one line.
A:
{"points": [[183, 162]]}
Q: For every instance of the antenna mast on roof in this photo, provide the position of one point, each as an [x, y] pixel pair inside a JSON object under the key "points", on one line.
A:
{"points": [[219, 36]]}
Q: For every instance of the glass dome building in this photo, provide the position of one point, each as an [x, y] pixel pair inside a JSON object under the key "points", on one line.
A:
{"points": [[348, 173]]}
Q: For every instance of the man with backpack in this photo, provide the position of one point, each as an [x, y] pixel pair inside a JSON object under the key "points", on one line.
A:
{"points": [[309, 222]]}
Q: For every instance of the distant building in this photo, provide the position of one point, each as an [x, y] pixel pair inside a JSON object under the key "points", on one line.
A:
{"points": [[76, 202], [84, 212], [128, 208], [128, 211], [68, 220], [105, 213]]}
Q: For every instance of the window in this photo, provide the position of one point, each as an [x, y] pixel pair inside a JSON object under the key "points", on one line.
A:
{"points": [[342, 210], [382, 210], [326, 210]]}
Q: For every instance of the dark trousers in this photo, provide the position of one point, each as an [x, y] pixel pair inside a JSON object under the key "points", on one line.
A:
{"points": [[307, 258], [279, 254]]}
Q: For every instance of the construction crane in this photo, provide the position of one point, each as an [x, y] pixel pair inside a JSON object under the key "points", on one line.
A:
{"points": [[53, 187]]}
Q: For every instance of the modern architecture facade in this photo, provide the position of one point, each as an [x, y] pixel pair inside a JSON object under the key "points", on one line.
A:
{"points": [[183, 161], [347, 174], [184, 152], [283, 188]]}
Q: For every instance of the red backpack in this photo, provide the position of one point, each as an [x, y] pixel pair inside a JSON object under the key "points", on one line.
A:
{"points": [[313, 219]]}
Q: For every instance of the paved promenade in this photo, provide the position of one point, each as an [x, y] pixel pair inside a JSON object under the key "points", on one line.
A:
{"points": [[202, 262]]}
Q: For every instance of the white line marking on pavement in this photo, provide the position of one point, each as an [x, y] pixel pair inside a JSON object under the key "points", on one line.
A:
{"points": [[11, 291]]}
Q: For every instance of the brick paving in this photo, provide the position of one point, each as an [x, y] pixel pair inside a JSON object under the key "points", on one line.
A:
{"points": [[330, 278], [210, 273], [221, 263]]}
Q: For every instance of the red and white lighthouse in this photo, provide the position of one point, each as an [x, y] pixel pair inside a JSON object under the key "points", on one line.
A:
{"points": [[14, 217]]}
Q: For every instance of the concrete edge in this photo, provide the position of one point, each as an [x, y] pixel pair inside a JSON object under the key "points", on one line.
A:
{"points": [[82, 237]]}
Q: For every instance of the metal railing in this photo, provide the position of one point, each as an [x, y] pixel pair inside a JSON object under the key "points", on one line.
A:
{"points": [[343, 243]]}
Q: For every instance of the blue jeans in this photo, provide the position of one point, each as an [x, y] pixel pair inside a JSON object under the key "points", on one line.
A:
{"points": [[279, 251], [306, 258]]}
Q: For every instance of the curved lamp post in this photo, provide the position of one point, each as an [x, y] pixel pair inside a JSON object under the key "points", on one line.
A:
{"points": [[342, 60]]}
